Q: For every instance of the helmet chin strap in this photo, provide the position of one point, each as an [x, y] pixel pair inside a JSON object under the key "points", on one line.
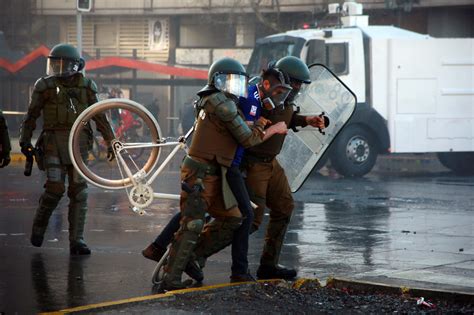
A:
{"points": [[81, 65]]}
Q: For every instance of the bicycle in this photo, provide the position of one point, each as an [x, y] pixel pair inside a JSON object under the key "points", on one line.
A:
{"points": [[129, 170], [133, 172]]}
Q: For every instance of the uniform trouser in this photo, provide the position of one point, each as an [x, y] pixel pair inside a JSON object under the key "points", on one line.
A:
{"points": [[193, 235], [54, 189], [268, 186]]}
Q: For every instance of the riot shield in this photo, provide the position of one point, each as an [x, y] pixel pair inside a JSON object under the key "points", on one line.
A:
{"points": [[303, 149]]}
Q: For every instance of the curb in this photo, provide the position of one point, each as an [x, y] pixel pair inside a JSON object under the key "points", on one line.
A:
{"points": [[167, 295], [337, 283], [367, 286]]}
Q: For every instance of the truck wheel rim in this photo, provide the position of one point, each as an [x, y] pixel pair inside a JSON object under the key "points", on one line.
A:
{"points": [[358, 150]]}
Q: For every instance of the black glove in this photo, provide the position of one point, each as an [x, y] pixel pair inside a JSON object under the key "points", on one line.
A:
{"points": [[4, 160], [27, 149]]}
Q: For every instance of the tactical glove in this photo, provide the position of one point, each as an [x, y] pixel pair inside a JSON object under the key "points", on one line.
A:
{"points": [[26, 148]]}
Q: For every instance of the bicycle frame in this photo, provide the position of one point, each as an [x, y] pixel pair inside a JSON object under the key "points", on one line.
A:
{"points": [[140, 177]]}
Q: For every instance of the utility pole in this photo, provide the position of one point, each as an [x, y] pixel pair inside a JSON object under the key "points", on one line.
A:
{"points": [[82, 6], [79, 31]]}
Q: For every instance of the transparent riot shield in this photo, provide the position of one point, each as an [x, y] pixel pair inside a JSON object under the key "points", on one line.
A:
{"points": [[303, 149]]}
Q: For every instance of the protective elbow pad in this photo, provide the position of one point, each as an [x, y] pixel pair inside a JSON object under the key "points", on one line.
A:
{"points": [[227, 110]]}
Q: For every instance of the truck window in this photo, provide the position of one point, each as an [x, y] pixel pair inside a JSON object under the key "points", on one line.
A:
{"points": [[316, 52], [337, 58], [264, 53]]}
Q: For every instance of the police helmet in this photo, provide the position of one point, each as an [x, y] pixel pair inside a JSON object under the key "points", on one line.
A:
{"points": [[295, 68], [64, 60], [228, 75]]}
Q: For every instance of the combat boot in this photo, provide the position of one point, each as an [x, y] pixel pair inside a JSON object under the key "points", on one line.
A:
{"points": [[275, 272], [154, 252], [79, 248], [181, 254], [36, 239], [47, 204], [194, 271], [77, 220], [247, 277]]}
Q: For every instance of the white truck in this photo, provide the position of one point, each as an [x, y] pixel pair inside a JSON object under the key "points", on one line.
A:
{"points": [[415, 93]]}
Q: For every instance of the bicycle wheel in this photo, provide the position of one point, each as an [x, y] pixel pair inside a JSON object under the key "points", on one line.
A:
{"points": [[158, 273], [93, 165]]}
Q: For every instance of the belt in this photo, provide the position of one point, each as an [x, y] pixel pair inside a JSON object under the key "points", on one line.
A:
{"points": [[203, 169]]}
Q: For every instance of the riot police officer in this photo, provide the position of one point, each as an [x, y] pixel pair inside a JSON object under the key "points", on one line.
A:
{"points": [[266, 179], [5, 146], [60, 97], [218, 132]]}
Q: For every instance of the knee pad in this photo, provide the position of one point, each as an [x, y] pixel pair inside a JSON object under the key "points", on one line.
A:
{"points": [[195, 225], [194, 206]]}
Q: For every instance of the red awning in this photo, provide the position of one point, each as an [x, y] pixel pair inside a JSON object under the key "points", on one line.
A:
{"points": [[95, 64]]}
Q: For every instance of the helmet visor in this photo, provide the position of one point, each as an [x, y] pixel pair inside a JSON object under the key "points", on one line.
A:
{"points": [[235, 84], [61, 67]]}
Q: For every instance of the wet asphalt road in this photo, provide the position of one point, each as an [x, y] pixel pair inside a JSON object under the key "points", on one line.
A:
{"points": [[413, 229]]}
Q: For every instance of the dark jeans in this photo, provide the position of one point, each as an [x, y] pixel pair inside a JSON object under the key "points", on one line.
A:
{"points": [[166, 236], [240, 242]]}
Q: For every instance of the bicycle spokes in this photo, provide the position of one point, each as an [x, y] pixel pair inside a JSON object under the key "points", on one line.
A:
{"points": [[135, 144]]}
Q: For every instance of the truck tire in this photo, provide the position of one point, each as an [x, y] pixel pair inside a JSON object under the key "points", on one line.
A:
{"points": [[354, 152], [461, 163]]}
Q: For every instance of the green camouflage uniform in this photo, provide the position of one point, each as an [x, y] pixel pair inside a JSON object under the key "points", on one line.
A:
{"points": [[60, 101]]}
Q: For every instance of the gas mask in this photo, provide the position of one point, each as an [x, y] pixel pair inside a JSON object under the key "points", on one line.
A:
{"points": [[275, 97], [277, 93]]}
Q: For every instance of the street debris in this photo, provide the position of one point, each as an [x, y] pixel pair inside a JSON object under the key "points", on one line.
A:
{"points": [[299, 297], [421, 302]]}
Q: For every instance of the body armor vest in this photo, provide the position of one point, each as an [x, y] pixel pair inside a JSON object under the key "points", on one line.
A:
{"points": [[272, 147], [212, 141], [63, 103]]}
